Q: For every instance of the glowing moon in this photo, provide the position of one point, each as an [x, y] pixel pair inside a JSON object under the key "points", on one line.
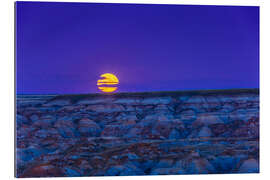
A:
{"points": [[108, 82]]}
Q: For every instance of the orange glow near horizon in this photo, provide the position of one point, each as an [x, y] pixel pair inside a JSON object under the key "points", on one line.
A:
{"points": [[107, 89], [108, 79]]}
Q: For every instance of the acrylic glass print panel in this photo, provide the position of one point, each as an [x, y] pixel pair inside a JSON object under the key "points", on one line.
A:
{"points": [[136, 89]]}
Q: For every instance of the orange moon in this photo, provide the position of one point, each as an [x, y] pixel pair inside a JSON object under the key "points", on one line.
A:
{"points": [[108, 83]]}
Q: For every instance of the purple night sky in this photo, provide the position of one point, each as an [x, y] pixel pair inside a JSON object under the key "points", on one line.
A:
{"points": [[63, 48]]}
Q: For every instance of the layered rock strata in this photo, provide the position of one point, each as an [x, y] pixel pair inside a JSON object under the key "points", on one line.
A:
{"points": [[187, 132]]}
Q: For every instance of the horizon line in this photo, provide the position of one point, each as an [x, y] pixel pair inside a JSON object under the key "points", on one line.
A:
{"points": [[124, 92]]}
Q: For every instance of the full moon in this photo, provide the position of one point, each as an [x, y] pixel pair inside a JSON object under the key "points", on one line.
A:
{"points": [[108, 83]]}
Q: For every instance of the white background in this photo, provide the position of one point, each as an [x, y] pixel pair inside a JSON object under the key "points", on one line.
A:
{"points": [[7, 89]]}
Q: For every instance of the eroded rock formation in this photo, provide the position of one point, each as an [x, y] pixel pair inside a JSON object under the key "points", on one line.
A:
{"points": [[138, 133]]}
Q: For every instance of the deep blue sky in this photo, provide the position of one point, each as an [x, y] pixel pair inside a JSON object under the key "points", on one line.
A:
{"points": [[64, 47]]}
